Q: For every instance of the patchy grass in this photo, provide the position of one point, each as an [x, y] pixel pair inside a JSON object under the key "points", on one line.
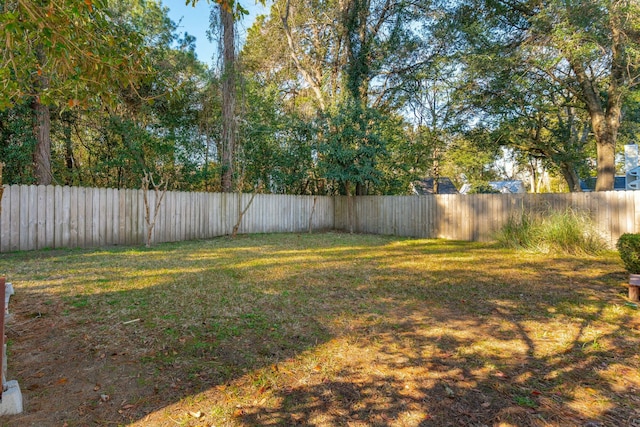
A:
{"points": [[327, 329]]}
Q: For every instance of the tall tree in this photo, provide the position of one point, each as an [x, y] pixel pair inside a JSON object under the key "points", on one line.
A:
{"points": [[591, 48], [228, 95], [61, 54]]}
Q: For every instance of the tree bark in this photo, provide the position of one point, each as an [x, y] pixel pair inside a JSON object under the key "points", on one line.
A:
{"points": [[42, 151], [604, 111], [41, 127], [69, 159], [570, 176], [228, 98]]}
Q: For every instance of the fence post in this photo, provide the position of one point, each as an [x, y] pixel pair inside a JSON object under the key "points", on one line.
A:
{"points": [[10, 395]]}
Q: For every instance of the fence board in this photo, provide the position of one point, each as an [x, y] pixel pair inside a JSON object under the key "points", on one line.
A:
{"points": [[636, 209], [109, 216], [102, 221], [89, 217], [40, 214], [61, 211], [5, 215], [122, 216], [14, 220], [53, 216], [32, 219], [136, 207], [73, 216], [169, 224], [83, 219], [95, 223]]}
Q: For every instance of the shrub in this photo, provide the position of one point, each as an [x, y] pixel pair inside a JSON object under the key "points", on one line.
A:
{"points": [[483, 189], [629, 248], [569, 231]]}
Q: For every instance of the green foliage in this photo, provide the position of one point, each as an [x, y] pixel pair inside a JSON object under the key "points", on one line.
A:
{"points": [[16, 144], [277, 149], [352, 147], [629, 248], [569, 232], [66, 52], [483, 188], [356, 96], [468, 159]]}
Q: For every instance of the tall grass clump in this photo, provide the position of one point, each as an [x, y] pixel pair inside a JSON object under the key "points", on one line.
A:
{"points": [[517, 233], [568, 231]]}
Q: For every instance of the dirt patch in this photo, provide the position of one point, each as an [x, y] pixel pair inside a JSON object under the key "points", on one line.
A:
{"points": [[321, 330]]}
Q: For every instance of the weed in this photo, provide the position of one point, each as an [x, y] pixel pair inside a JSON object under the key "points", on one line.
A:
{"points": [[525, 401]]}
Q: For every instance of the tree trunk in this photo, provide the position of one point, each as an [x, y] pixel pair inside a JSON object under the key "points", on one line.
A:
{"points": [[606, 168], [69, 159], [604, 109], [350, 207], [228, 99], [41, 128], [361, 189], [571, 177], [42, 152]]}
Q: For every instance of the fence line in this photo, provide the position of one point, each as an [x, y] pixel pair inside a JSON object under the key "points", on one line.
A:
{"points": [[37, 217], [477, 217]]}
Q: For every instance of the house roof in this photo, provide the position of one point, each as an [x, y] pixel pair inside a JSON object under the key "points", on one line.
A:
{"points": [[589, 184], [513, 186], [425, 186]]}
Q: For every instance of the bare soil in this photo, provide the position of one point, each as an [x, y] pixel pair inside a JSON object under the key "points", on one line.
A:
{"points": [[324, 330]]}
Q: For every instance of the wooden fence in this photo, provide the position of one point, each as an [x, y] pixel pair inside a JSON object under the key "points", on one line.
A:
{"points": [[477, 217], [36, 217]]}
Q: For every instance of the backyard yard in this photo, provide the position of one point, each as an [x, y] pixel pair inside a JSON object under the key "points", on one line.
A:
{"points": [[324, 329]]}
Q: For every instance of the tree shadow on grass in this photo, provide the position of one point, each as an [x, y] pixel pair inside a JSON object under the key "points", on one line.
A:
{"points": [[445, 380], [96, 341]]}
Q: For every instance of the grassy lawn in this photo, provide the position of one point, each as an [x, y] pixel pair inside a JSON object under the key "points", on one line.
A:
{"points": [[324, 329]]}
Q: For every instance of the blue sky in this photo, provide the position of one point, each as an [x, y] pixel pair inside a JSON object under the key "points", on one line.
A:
{"points": [[195, 21]]}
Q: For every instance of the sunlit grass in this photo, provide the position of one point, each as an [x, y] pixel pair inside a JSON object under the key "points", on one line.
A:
{"points": [[331, 329]]}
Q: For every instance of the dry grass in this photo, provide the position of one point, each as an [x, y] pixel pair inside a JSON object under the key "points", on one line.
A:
{"points": [[322, 330]]}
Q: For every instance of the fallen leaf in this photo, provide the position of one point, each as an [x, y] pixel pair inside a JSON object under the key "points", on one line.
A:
{"points": [[62, 381], [238, 413], [128, 406]]}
